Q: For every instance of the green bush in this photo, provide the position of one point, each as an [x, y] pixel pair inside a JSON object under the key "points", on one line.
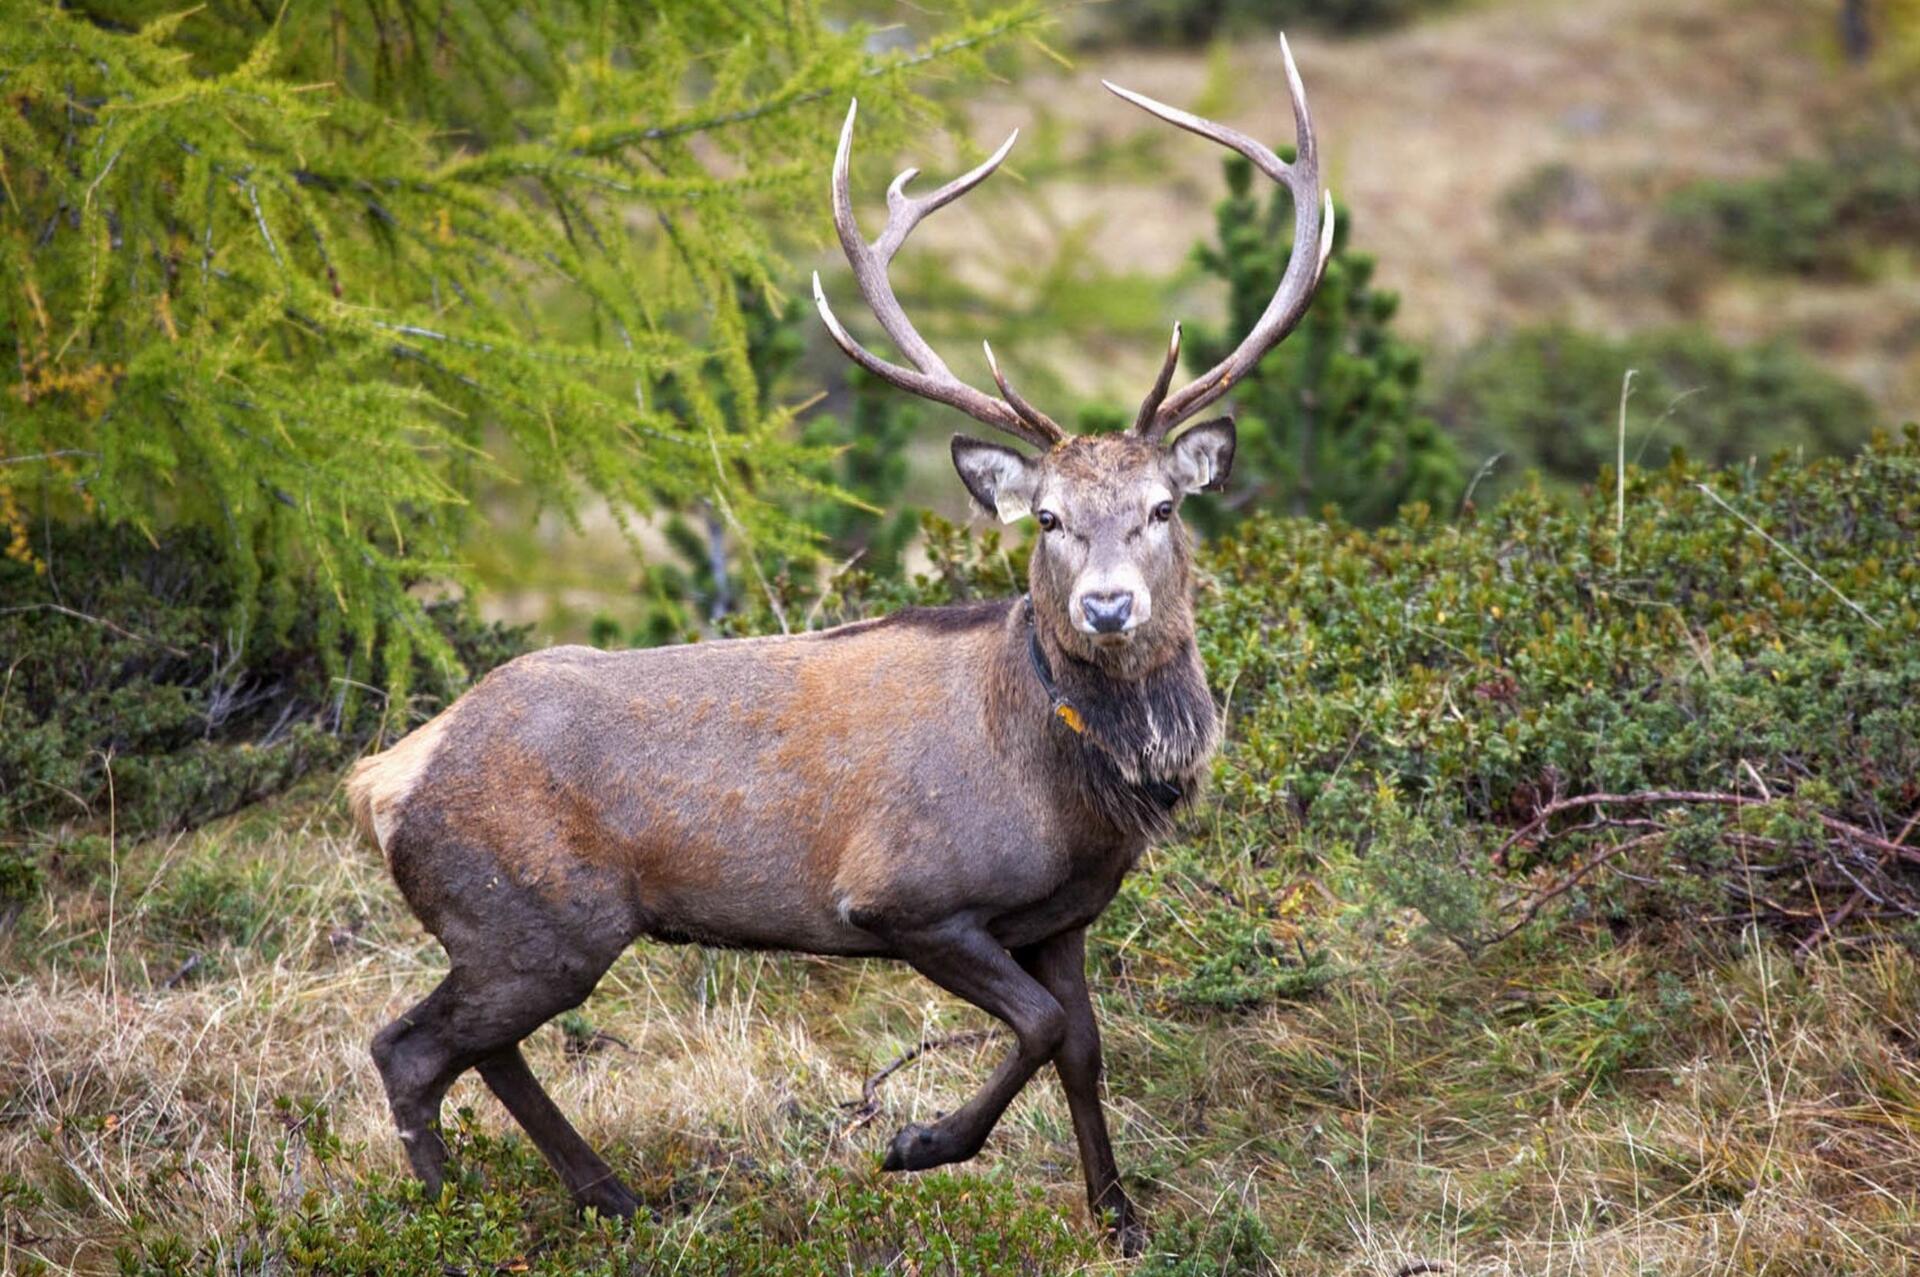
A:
{"points": [[132, 699], [747, 1221], [1836, 215], [1547, 399], [1231, 1240], [1427, 688]]}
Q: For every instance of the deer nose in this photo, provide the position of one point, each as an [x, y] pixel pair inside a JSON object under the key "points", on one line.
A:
{"points": [[1107, 613]]}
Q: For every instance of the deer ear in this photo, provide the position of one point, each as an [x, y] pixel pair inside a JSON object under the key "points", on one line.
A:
{"points": [[1202, 457], [1000, 479]]}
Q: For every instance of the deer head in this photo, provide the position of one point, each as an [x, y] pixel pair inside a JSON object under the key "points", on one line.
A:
{"points": [[1109, 572]]}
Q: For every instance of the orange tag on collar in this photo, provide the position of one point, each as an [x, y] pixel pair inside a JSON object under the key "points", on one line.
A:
{"points": [[1070, 716]]}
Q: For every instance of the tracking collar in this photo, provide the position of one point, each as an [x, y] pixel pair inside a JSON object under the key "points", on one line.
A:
{"points": [[1164, 793], [1062, 707]]}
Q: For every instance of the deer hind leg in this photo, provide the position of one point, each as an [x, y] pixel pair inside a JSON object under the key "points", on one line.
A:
{"points": [[519, 959], [417, 1065], [590, 1180], [969, 962], [477, 1018]]}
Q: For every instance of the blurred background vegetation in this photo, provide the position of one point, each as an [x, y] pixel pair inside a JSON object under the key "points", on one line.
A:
{"points": [[359, 346], [362, 307]]}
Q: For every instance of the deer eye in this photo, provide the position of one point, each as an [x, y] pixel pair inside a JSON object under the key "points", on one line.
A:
{"points": [[1163, 512], [1048, 520]]}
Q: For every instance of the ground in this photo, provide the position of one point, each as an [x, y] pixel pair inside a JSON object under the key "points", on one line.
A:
{"points": [[1430, 133], [186, 1022]]}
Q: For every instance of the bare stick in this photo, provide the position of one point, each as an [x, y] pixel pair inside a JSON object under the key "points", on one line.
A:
{"points": [[1684, 797], [1620, 459], [1486, 468], [181, 972], [867, 1107], [1799, 562], [1571, 881], [28, 457], [100, 621]]}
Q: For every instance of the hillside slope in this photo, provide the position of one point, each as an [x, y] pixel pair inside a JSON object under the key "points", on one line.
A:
{"points": [[1324, 1059]]}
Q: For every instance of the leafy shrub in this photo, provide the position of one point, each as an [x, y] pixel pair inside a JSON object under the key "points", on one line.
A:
{"points": [[1548, 399], [133, 695], [944, 1224], [1833, 216], [1197, 933], [1231, 1240], [1455, 680], [20, 877], [1331, 418]]}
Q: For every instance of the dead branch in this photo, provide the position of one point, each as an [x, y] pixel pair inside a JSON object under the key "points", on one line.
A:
{"points": [[100, 621], [1870, 851], [1691, 797], [867, 1107], [1567, 884]]}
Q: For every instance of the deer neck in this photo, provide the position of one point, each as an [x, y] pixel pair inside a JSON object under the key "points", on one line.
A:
{"points": [[1127, 738]]}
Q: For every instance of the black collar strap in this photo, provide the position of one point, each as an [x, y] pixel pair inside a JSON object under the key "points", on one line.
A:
{"points": [[1062, 707]]}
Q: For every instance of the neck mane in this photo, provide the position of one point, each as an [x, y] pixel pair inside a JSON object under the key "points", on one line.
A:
{"points": [[1135, 736]]}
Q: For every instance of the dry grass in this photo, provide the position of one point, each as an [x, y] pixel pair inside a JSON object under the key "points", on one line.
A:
{"points": [[1429, 130], [1587, 1107]]}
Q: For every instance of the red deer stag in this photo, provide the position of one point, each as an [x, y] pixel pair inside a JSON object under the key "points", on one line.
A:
{"points": [[959, 788]]}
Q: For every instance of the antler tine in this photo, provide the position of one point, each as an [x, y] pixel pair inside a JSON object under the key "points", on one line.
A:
{"points": [[930, 377], [1028, 413], [904, 212], [1151, 404], [1313, 225]]}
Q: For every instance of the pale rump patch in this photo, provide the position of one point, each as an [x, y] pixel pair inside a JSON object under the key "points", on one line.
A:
{"points": [[379, 785]]}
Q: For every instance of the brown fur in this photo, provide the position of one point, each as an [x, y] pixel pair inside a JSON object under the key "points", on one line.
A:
{"points": [[898, 787], [379, 785]]}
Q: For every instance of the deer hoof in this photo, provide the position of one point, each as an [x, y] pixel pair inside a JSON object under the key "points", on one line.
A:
{"points": [[610, 1198], [1131, 1238], [915, 1148]]}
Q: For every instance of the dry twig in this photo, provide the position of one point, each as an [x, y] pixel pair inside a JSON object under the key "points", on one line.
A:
{"points": [[867, 1107]]}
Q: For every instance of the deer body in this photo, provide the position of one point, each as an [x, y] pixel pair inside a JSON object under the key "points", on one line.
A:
{"points": [[962, 789], [781, 793]]}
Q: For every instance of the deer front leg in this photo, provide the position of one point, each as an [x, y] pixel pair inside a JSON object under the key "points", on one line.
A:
{"points": [[963, 959], [1060, 965]]}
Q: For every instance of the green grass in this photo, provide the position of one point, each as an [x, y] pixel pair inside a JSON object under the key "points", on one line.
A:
{"points": [[1692, 1102], [1321, 1062]]}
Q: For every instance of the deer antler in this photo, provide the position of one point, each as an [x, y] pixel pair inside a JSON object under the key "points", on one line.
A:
{"points": [[1312, 242], [930, 377]]}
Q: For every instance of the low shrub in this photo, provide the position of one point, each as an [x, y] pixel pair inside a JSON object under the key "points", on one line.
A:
{"points": [[1548, 399], [1708, 714], [1835, 216], [131, 698], [1198, 933], [837, 1222]]}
